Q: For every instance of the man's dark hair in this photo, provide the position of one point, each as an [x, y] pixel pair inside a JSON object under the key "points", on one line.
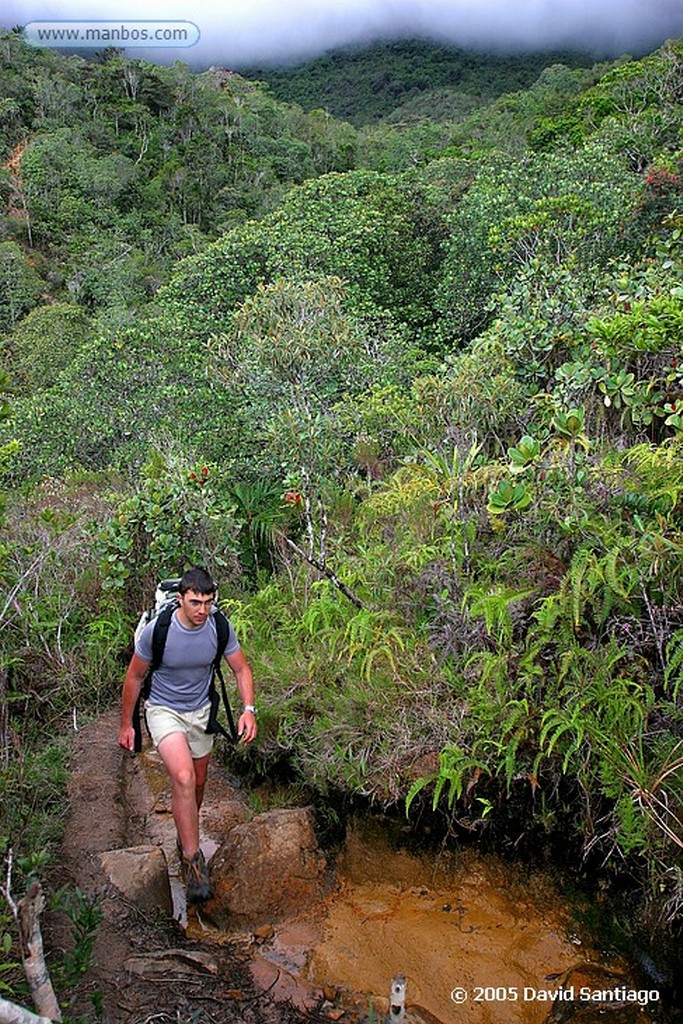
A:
{"points": [[197, 579]]}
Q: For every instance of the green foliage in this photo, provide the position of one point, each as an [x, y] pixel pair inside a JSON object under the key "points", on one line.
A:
{"points": [[565, 209], [524, 455], [641, 96], [508, 497], [44, 343], [456, 769], [495, 606], [365, 84], [85, 916], [458, 575], [67, 183], [32, 816], [130, 166], [372, 231], [673, 676], [261, 513], [570, 426], [4, 395], [176, 518], [129, 389], [20, 285], [292, 354]]}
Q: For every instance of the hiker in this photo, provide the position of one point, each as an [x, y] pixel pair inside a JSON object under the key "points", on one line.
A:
{"points": [[177, 710]]}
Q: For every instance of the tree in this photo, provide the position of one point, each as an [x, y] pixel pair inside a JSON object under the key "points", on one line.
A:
{"points": [[566, 207], [376, 232], [44, 343], [292, 352], [20, 285], [68, 185]]}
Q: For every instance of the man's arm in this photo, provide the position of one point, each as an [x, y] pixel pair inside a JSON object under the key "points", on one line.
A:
{"points": [[246, 725], [132, 684]]}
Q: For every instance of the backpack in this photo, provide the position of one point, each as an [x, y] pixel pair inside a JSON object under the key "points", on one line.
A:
{"points": [[165, 603]]}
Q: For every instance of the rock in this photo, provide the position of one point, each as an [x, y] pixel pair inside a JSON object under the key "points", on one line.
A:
{"points": [[419, 1015], [591, 994], [175, 962], [140, 874], [282, 986], [263, 933], [220, 819], [267, 869]]}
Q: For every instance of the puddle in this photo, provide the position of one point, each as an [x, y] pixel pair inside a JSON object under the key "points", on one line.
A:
{"points": [[463, 924]]}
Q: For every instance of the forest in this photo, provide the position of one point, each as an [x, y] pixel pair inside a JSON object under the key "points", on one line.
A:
{"points": [[410, 385]]}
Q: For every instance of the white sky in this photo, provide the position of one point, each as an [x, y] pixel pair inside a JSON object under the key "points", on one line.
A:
{"points": [[239, 32]]}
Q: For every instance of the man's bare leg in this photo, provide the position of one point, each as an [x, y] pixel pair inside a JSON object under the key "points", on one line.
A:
{"points": [[188, 779]]}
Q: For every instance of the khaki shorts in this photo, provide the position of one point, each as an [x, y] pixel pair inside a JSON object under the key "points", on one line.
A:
{"points": [[162, 721]]}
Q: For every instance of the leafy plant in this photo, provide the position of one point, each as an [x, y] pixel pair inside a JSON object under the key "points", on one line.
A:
{"points": [[85, 915], [525, 455], [174, 519], [509, 497]]}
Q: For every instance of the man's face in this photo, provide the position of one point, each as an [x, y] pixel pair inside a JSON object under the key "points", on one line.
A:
{"points": [[195, 608]]}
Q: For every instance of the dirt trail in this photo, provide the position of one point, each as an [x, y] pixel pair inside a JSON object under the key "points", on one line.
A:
{"points": [[474, 925], [105, 813]]}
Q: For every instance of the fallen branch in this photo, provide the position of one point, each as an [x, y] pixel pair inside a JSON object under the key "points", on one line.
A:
{"points": [[10, 1013], [332, 576], [29, 910], [27, 914]]}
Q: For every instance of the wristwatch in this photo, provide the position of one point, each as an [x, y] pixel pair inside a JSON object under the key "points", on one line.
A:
{"points": [[250, 707]]}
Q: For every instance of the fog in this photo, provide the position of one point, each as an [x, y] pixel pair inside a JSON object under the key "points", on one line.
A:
{"points": [[236, 34]]}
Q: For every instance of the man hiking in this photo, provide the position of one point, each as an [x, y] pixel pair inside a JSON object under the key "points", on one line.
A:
{"points": [[177, 710]]}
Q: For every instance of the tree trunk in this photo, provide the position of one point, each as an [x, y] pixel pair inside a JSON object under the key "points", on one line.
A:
{"points": [[29, 910], [4, 721], [10, 1013]]}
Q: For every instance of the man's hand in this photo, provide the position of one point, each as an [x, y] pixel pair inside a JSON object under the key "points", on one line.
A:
{"points": [[247, 727], [127, 737]]}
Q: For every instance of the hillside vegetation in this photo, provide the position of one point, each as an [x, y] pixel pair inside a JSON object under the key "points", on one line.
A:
{"points": [[413, 394], [365, 84]]}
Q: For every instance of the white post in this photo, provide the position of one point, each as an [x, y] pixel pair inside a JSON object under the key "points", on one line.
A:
{"points": [[397, 1000]]}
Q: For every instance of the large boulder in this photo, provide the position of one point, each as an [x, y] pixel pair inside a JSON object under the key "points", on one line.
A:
{"points": [[267, 869]]}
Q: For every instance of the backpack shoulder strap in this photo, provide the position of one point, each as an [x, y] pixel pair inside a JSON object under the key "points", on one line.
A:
{"points": [[214, 726], [159, 635], [222, 634]]}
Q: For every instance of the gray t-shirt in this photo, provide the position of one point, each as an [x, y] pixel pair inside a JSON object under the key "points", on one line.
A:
{"points": [[182, 680]]}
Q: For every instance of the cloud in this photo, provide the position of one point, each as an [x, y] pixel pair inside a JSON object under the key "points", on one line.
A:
{"points": [[236, 33]]}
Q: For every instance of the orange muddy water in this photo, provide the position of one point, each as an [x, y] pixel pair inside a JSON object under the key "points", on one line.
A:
{"points": [[475, 943]]}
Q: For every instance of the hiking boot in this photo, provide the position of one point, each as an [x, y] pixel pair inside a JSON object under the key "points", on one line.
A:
{"points": [[196, 878]]}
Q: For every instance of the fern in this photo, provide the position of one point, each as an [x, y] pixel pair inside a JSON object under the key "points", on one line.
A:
{"points": [[579, 570], [456, 768], [615, 581], [555, 724], [515, 730], [673, 672], [323, 613], [494, 606]]}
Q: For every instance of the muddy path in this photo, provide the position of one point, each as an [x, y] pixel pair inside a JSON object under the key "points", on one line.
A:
{"points": [[109, 809], [460, 924]]}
